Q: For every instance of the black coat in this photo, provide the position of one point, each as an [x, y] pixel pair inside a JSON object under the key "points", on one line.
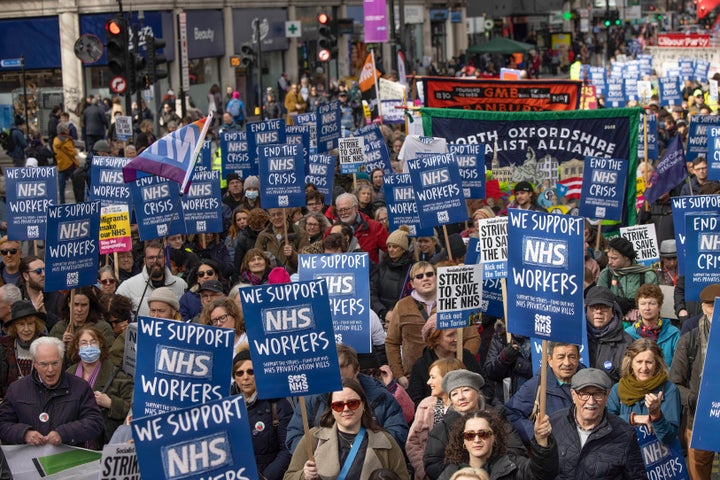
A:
{"points": [[418, 387], [607, 352], [387, 281]]}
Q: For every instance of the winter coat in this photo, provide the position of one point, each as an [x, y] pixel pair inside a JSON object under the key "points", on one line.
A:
{"points": [[667, 339], [9, 369], [611, 452], [385, 409], [542, 465], [498, 366], [134, 287], [606, 353], [418, 435], [624, 287], [382, 452], [102, 326], [371, 236], [268, 242], [686, 371], [65, 152], [387, 282], [95, 121], [70, 407], [20, 143], [418, 387], [667, 426], [520, 406], [190, 304]]}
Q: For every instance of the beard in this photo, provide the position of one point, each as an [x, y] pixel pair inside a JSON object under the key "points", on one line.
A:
{"points": [[33, 285], [157, 272]]}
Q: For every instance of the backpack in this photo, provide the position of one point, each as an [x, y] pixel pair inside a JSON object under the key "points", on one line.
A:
{"points": [[6, 141], [234, 108]]}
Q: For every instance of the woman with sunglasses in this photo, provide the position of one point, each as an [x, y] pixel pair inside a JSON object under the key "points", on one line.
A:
{"points": [[479, 440], [349, 444], [268, 419], [387, 280], [225, 313], [190, 304], [106, 279]]}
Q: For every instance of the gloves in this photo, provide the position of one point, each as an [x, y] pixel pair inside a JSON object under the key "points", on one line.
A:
{"points": [[509, 353]]}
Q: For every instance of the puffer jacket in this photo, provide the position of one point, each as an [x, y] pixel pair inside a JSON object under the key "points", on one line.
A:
{"points": [[498, 366], [387, 281]]}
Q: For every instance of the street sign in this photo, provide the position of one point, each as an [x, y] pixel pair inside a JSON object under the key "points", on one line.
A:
{"points": [[235, 61], [293, 29], [11, 62], [118, 85], [89, 48], [324, 55], [184, 66]]}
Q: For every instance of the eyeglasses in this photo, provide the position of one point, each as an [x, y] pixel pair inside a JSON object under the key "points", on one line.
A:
{"points": [[108, 281], [343, 211], [249, 371], [483, 434], [91, 343], [37, 271], [314, 225], [220, 320], [598, 396], [11, 251], [419, 276], [152, 258], [340, 406], [44, 365], [205, 273]]}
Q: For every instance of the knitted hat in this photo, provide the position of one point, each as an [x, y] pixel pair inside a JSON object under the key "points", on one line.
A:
{"points": [[101, 146], [484, 212], [624, 246], [430, 325], [399, 237], [252, 182], [278, 275], [462, 378], [232, 176], [165, 295]]}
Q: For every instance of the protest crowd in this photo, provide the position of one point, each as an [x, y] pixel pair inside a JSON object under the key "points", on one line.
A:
{"points": [[425, 401]]}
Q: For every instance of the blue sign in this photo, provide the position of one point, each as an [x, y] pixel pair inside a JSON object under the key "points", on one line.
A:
{"points": [[698, 135], [72, 245], [492, 300], [203, 163], [596, 76], [691, 204], [30, 193], [713, 153], [459, 295], [107, 183], [400, 201], [687, 68], [185, 364], [545, 275], [661, 460], [652, 136], [321, 172], [299, 135], [11, 63], [492, 246], [631, 88], [263, 133], [201, 206], [292, 342], [328, 126], [615, 93], [437, 184], [376, 151], [471, 162], [706, 429], [702, 68], [605, 179], [282, 170], [536, 352], [234, 154], [211, 440], [670, 91], [309, 119], [393, 111], [702, 253], [348, 282], [157, 207]]}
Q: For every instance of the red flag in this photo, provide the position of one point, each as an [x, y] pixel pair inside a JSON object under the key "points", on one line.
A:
{"points": [[704, 7]]}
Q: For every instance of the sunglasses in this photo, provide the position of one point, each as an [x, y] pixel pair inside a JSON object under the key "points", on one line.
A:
{"points": [[38, 271], [340, 406], [108, 281], [249, 371], [205, 273], [429, 274], [11, 251], [483, 434]]}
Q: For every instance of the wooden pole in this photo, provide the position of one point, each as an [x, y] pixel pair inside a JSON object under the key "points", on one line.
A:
{"points": [[503, 289], [598, 236], [306, 429], [447, 244], [543, 379], [116, 266], [459, 352]]}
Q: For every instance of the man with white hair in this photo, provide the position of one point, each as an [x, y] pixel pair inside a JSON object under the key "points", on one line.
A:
{"points": [[371, 235]]}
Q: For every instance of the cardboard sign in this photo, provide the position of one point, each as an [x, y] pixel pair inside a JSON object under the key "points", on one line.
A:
{"points": [[661, 460], [471, 162], [352, 154], [282, 170], [604, 180], [376, 151], [71, 255], [119, 462], [691, 204], [115, 229], [459, 294], [123, 127], [263, 133], [30, 192], [644, 240], [107, 183], [328, 126], [234, 154], [702, 253], [492, 246], [157, 207], [437, 184], [201, 205]]}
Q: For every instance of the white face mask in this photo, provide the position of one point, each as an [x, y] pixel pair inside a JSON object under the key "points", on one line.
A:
{"points": [[252, 194]]}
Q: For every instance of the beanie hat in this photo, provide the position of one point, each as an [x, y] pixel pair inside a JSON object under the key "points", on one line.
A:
{"points": [[462, 378], [278, 275], [252, 182], [624, 246], [241, 356], [399, 237], [165, 295], [429, 327], [484, 212]]}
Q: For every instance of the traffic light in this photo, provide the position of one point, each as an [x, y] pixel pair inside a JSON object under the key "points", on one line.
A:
{"points": [[154, 60], [327, 40], [116, 36], [138, 78], [247, 55]]}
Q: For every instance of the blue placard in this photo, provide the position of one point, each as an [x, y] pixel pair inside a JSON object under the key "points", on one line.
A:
{"points": [[437, 184], [691, 204], [631, 88], [702, 70], [400, 202], [234, 154], [263, 133], [713, 153], [72, 245], [211, 441], [201, 206], [698, 135], [203, 162], [615, 93], [157, 202], [492, 301], [185, 364], [536, 353], [321, 172], [597, 76], [545, 275], [605, 192], [670, 91], [292, 342], [706, 428], [393, 111], [30, 193], [702, 253], [492, 246], [328, 126], [661, 460], [652, 135], [309, 119], [299, 135], [471, 162], [376, 151], [107, 183], [459, 295], [282, 171], [687, 68], [348, 282]]}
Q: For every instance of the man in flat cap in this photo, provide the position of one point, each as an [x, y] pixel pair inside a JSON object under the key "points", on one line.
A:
{"points": [[592, 442]]}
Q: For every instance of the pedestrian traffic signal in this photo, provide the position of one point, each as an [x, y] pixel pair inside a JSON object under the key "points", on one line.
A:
{"points": [[155, 60], [116, 36], [138, 78], [247, 55]]}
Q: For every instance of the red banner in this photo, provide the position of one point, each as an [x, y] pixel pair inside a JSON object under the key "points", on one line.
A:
{"points": [[690, 40], [501, 95]]}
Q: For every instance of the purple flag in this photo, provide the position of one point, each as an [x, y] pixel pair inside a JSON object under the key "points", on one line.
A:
{"points": [[376, 22], [671, 170]]}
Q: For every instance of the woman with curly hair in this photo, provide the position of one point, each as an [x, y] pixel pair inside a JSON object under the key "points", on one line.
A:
{"points": [[25, 325], [255, 267], [225, 313], [86, 309], [479, 440]]}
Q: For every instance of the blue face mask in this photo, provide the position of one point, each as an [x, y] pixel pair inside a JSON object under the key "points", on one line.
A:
{"points": [[90, 353], [252, 194]]}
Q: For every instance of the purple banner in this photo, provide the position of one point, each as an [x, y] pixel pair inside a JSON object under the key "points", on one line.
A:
{"points": [[376, 25]]}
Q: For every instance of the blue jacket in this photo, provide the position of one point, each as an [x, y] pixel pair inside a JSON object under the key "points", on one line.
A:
{"points": [[18, 139], [385, 408], [667, 339], [666, 427], [520, 405]]}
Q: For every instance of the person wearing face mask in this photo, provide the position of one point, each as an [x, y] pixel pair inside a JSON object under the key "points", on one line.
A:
{"points": [[25, 325], [252, 193], [113, 389]]}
